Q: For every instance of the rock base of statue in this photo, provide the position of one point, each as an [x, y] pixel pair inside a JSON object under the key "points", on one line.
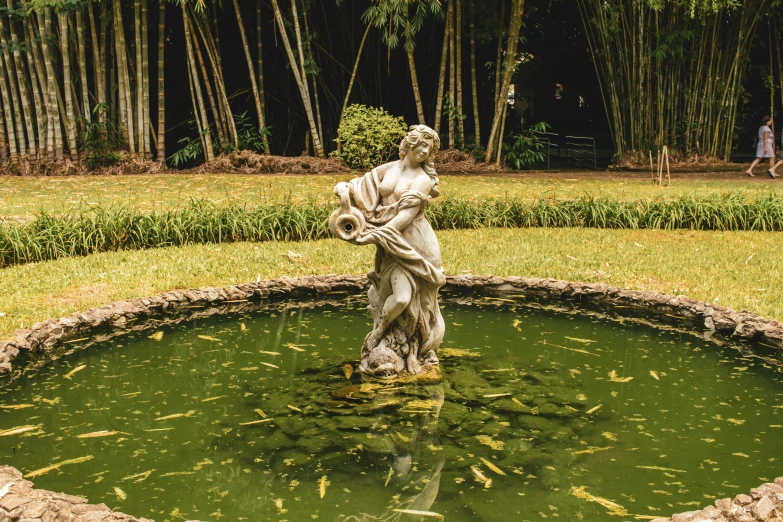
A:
{"points": [[395, 354]]}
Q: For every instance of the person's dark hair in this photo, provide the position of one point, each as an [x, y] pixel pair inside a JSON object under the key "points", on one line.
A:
{"points": [[765, 120]]}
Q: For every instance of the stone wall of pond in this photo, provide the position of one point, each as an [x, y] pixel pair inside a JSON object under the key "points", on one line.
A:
{"points": [[19, 501], [661, 309], [764, 504]]}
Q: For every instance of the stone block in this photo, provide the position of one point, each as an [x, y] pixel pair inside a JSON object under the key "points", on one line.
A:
{"points": [[764, 507], [743, 500], [724, 504]]}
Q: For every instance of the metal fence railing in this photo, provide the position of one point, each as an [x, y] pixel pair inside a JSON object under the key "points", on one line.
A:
{"points": [[581, 151]]}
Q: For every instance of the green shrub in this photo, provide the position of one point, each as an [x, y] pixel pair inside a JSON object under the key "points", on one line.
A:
{"points": [[101, 140], [526, 148], [368, 137]]}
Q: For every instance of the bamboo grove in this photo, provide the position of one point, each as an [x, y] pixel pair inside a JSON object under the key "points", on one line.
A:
{"points": [[80, 74], [672, 72]]}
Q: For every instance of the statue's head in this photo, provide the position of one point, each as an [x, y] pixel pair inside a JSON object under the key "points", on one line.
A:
{"points": [[425, 142]]}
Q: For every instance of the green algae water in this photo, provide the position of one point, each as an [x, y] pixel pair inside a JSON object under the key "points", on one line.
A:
{"points": [[259, 416]]}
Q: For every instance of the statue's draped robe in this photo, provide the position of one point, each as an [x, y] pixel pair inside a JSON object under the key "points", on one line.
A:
{"points": [[393, 251]]}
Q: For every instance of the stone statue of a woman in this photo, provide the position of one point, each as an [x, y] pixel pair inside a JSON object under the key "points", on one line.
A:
{"points": [[385, 207]]}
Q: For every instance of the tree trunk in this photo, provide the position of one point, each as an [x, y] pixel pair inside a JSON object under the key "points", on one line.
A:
{"points": [[314, 76], [301, 82], [444, 56], [260, 67], [473, 85], [353, 73], [458, 65], [452, 75], [213, 55], [515, 24], [24, 95], [37, 85], [83, 66], [123, 79], [9, 116], [161, 145], [139, 76], [66, 59], [145, 64], [45, 24], [18, 117], [253, 83], [209, 154], [98, 55], [213, 104], [415, 83]]}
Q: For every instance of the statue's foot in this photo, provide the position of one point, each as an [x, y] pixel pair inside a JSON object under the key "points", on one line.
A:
{"points": [[414, 366]]}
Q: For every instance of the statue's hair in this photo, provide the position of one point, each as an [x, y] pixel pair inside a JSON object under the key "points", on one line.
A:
{"points": [[414, 137]]}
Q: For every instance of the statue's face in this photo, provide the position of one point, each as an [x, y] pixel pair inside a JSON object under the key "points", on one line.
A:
{"points": [[422, 150]]}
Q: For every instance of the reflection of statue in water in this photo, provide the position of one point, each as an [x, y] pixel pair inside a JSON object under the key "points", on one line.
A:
{"points": [[416, 467], [385, 207]]}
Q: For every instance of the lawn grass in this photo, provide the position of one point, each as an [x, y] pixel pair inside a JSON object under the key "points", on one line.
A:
{"points": [[21, 198], [736, 269]]}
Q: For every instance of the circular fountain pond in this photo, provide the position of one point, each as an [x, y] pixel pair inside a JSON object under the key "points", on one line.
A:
{"points": [[259, 416]]}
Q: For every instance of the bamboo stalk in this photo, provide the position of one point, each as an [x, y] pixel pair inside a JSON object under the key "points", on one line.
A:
{"points": [[161, 141], [444, 55]]}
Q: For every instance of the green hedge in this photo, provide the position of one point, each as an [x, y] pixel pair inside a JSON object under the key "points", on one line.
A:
{"points": [[102, 229]]}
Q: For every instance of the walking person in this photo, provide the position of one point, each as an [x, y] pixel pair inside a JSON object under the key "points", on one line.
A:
{"points": [[765, 148]]}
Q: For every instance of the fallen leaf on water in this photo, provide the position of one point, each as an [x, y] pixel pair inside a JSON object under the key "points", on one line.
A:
{"points": [[210, 399], [496, 395], [614, 378], [480, 477], [208, 338], [293, 408], [19, 429], [419, 513], [655, 375], [47, 469], [121, 495], [389, 476], [270, 365], [613, 507], [593, 410], [456, 352], [591, 450], [255, 422], [488, 441], [77, 369], [294, 347], [348, 370], [96, 434], [157, 336], [139, 477], [322, 486], [54, 401], [609, 435], [176, 473], [578, 340], [736, 421], [242, 326], [492, 466], [260, 412], [270, 353], [17, 406], [658, 468], [741, 455], [177, 415]]}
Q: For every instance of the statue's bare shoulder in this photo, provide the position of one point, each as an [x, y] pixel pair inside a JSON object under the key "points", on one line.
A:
{"points": [[386, 167]]}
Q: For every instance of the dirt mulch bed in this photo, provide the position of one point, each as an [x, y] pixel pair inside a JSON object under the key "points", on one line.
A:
{"points": [[451, 161], [248, 162], [68, 167]]}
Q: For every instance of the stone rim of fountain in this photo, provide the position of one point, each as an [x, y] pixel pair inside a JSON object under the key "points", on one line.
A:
{"points": [[740, 329], [743, 330]]}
